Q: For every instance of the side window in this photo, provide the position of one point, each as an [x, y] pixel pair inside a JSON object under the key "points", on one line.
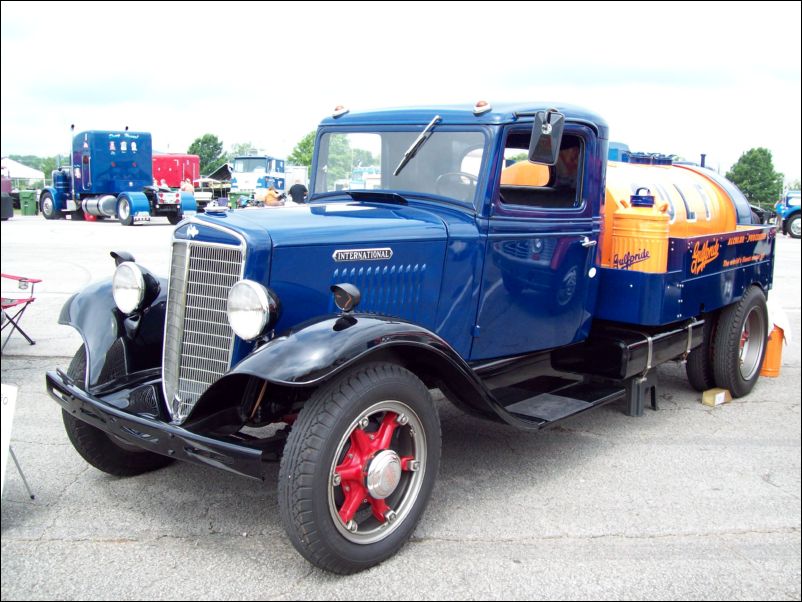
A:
{"points": [[538, 185]]}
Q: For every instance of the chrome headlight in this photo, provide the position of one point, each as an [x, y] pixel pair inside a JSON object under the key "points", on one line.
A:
{"points": [[250, 306], [128, 287]]}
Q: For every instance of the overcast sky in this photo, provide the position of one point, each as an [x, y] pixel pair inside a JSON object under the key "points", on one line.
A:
{"points": [[716, 78]]}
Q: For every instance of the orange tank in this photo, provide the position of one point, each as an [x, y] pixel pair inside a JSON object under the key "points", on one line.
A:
{"points": [[525, 173], [640, 234], [696, 205]]}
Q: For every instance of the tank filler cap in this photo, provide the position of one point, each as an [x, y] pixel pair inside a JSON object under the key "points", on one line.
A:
{"points": [[642, 200]]}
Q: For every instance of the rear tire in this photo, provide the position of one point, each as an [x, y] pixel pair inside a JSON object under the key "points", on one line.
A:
{"points": [[96, 447], [124, 213], [740, 343], [699, 366], [174, 219]]}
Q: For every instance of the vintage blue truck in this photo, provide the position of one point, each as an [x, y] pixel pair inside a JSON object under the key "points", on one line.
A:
{"points": [[111, 175], [788, 213], [498, 257]]}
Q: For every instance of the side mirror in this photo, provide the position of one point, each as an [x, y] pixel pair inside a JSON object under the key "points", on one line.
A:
{"points": [[547, 133]]}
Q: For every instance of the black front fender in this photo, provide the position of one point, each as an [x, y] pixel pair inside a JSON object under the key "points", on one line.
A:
{"points": [[116, 345], [316, 351]]}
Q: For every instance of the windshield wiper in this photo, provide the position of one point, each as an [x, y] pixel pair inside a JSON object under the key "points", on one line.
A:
{"points": [[413, 150]]}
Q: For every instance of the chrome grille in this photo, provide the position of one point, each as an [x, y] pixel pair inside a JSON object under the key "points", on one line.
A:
{"points": [[197, 338]]}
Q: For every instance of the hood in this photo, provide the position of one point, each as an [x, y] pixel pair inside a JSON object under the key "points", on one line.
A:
{"points": [[393, 253], [331, 223]]}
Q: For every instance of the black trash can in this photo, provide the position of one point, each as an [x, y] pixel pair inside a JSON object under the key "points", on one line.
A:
{"points": [[7, 208]]}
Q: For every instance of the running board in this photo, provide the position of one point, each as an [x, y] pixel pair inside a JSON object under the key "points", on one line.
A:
{"points": [[544, 409]]}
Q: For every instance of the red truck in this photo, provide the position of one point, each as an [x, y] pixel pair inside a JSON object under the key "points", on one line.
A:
{"points": [[174, 168]]}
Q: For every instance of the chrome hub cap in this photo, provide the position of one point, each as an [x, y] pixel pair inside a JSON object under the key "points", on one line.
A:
{"points": [[377, 472], [753, 338], [384, 474]]}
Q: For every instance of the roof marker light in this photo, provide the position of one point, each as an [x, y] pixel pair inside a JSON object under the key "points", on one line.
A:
{"points": [[481, 106], [339, 110]]}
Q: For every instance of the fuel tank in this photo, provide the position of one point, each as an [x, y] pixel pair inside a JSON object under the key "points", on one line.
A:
{"points": [[698, 202]]}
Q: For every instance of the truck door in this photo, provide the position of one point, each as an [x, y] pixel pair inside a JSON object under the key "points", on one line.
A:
{"points": [[539, 284]]}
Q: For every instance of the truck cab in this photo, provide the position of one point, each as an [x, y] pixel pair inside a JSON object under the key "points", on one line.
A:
{"points": [[788, 213], [492, 254], [252, 172]]}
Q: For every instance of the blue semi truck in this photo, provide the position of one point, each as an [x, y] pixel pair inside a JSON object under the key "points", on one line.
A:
{"points": [[496, 255], [111, 175], [788, 213]]}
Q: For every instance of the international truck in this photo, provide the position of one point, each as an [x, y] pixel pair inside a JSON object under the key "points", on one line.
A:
{"points": [[500, 258], [111, 175]]}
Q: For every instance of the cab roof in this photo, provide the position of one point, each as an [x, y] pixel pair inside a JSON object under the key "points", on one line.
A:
{"points": [[464, 114]]}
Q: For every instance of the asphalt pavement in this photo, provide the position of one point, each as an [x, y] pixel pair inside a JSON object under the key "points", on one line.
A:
{"points": [[688, 502]]}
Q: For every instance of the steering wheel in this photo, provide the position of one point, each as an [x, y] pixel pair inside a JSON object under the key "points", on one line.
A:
{"points": [[456, 184]]}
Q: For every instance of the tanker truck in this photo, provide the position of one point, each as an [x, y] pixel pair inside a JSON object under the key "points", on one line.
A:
{"points": [[499, 258], [111, 175]]}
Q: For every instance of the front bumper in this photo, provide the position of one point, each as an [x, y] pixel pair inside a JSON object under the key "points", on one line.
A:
{"points": [[225, 453]]}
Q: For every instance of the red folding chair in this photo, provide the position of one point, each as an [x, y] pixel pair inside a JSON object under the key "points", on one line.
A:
{"points": [[17, 305]]}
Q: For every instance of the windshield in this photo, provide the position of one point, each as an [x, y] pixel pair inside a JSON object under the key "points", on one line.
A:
{"points": [[251, 164], [447, 165]]}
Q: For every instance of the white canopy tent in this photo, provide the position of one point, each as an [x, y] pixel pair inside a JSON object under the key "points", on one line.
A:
{"points": [[18, 172]]}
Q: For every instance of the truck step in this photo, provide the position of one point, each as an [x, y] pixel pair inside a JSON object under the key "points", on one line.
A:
{"points": [[567, 399]]}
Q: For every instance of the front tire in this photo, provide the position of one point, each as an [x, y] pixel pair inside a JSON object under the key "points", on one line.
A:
{"points": [[48, 206], [740, 343], [359, 467], [793, 226], [96, 447]]}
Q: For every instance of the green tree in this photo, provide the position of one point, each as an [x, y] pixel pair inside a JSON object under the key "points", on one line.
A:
{"points": [[794, 185], [340, 158], [364, 158], [302, 153], [754, 174], [241, 148], [210, 150]]}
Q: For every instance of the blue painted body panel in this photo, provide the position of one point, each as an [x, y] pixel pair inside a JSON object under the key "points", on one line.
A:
{"points": [[107, 162], [504, 113], [59, 198], [705, 273], [139, 202], [536, 273], [188, 203], [789, 205]]}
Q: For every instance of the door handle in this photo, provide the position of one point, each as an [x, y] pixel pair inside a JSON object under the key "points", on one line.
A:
{"points": [[586, 242]]}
